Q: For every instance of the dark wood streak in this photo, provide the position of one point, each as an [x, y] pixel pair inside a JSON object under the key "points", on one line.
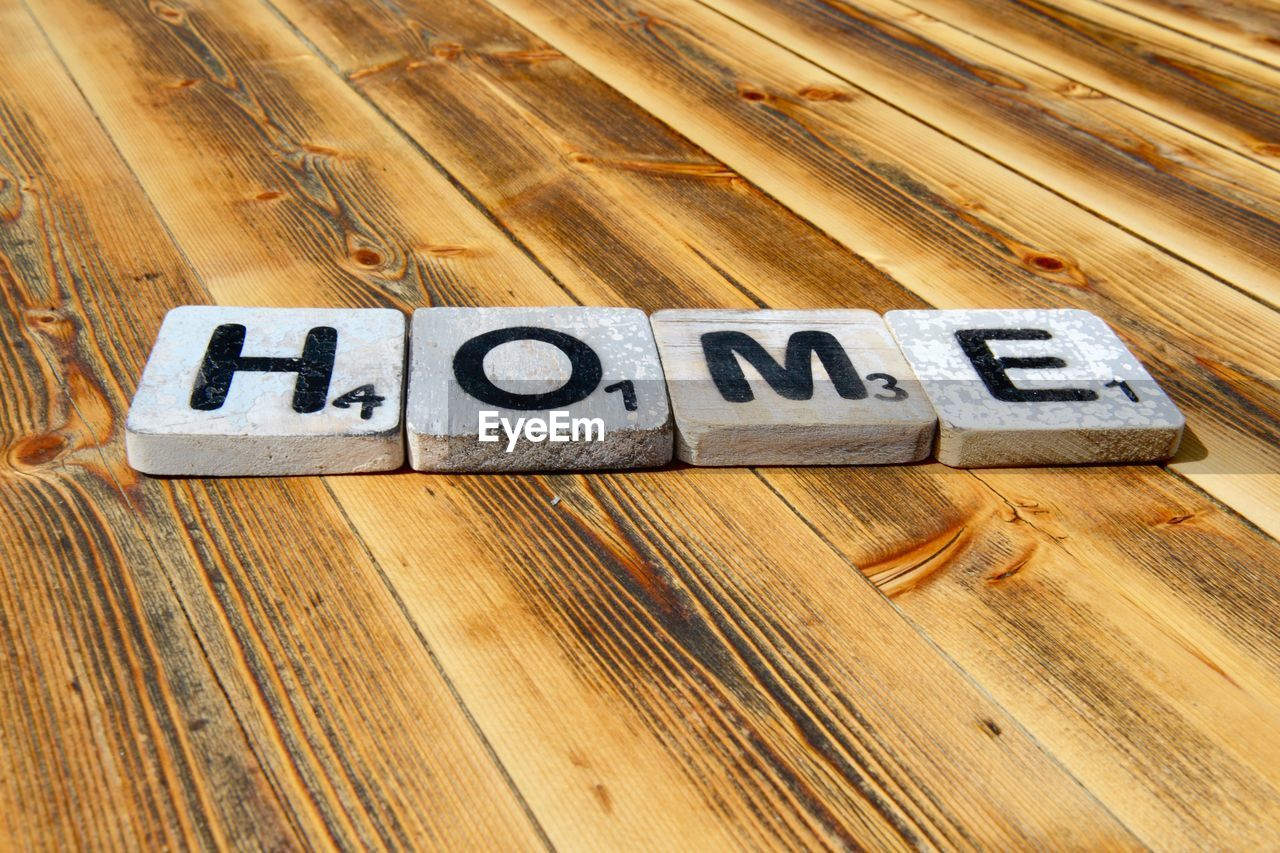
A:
{"points": [[192, 719], [1242, 101], [530, 111], [1218, 201], [1248, 27], [758, 642], [784, 660], [663, 641], [903, 210], [1193, 89]]}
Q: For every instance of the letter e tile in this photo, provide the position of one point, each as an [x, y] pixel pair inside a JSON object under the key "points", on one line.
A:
{"points": [[1035, 387]]}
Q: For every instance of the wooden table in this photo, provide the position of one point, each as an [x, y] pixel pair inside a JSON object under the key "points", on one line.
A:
{"points": [[906, 656]]}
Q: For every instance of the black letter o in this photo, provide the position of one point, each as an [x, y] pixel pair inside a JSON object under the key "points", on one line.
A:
{"points": [[468, 367]]}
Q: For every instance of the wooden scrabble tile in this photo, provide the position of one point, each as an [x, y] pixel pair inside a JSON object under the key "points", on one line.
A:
{"points": [[521, 389], [270, 391], [1035, 387], [791, 388]]}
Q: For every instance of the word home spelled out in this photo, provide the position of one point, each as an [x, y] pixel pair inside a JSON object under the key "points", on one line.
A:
{"points": [[263, 391]]}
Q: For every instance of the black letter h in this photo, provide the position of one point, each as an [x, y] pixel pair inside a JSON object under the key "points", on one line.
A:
{"points": [[222, 359]]}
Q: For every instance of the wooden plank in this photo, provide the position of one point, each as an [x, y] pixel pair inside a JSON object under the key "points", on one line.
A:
{"points": [[1248, 27], [957, 228], [1206, 90], [427, 100], [736, 639], [621, 208], [1094, 622], [654, 215], [571, 677], [181, 667], [535, 106], [1205, 204], [102, 681]]}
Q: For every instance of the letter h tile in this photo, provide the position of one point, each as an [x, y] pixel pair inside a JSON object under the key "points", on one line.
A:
{"points": [[270, 391]]}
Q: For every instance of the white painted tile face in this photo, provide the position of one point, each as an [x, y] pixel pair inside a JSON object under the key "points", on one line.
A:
{"points": [[1086, 399], [255, 428], [876, 415], [526, 363]]}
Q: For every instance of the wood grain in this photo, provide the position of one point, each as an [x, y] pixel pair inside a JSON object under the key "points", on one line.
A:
{"points": [[1248, 27], [1207, 205], [461, 83], [956, 228], [587, 660], [186, 663], [1094, 621], [1206, 90], [536, 105], [580, 739], [625, 210], [730, 638]]}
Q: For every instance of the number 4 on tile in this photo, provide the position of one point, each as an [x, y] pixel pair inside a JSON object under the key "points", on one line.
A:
{"points": [[364, 397]]}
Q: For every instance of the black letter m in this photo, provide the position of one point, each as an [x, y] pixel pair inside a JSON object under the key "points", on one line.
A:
{"points": [[794, 381], [222, 359]]}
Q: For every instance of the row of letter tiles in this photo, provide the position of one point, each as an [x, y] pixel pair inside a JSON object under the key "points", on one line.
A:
{"points": [[276, 391]]}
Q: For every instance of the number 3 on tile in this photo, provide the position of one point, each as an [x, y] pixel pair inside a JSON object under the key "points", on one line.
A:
{"points": [[364, 397], [890, 385]]}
